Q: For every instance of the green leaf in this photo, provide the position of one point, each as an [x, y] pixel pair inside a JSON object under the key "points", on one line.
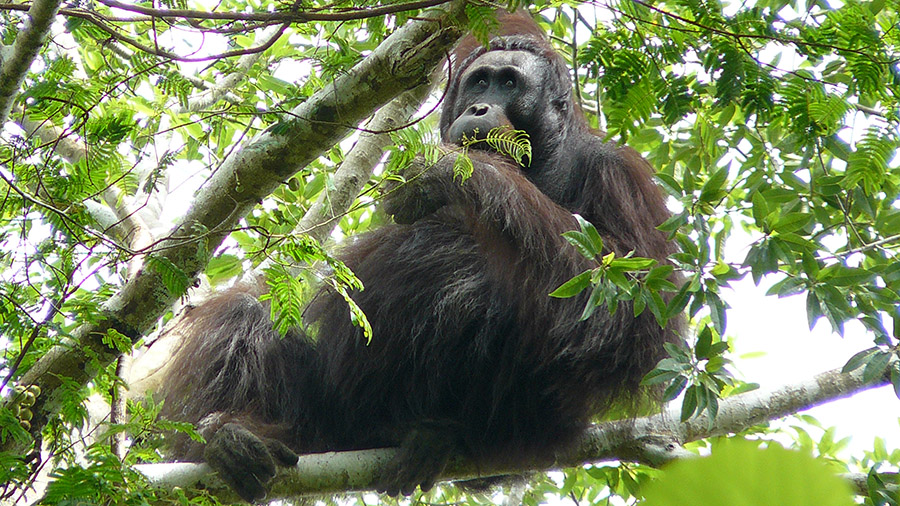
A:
{"points": [[858, 360], [632, 264], [573, 286], [895, 378], [581, 242], [594, 300], [791, 222], [117, 341], [679, 301], [760, 209], [679, 352], [223, 267], [717, 311], [661, 272], [670, 184], [675, 388], [838, 275], [588, 240], [673, 223], [463, 168], [787, 287], [837, 147], [689, 403], [704, 341], [512, 143], [813, 309], [671, 364], [174, 279], [868, 165], [617, 277], [738, 472], [658, 376], [712, 408], [711, 191], [876, 365]]}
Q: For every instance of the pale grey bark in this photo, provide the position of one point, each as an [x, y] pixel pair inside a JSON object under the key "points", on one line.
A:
{"points": [[403, 61], [15, 63], [653, 440], [643, 436], [348, 180]]}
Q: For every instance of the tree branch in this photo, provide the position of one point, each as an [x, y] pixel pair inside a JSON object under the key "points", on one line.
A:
{"points": [[259, 19], [286, 17], [860, 482], [16, 63], [350, 178], [213, 94], [403, 61], [653, 440]]}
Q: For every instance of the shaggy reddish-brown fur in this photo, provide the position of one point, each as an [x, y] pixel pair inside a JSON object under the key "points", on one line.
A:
{"points": [[469, 354]]}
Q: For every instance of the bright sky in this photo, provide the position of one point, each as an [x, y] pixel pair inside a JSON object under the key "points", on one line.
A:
{"points": [[778, 327]]}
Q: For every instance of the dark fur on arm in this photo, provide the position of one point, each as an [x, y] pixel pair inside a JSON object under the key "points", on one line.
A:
{"points": [[497, 197]]}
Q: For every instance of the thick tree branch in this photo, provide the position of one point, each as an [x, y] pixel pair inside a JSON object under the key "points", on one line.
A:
{"points": [[653, 440], [747, 410], [405, 60], [15, 63], [348, 180]]}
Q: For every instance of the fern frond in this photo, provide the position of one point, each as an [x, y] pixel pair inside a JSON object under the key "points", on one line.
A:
{"points": [[463, 167], [869, 163], [512, 143]]}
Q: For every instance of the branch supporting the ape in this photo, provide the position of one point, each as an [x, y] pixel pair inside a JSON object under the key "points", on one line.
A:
{"points": [[751, 408], [403, 61], [653, 440]]}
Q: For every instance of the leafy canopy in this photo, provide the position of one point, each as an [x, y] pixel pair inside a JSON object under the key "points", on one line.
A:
{"points": [[775, 120]]}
